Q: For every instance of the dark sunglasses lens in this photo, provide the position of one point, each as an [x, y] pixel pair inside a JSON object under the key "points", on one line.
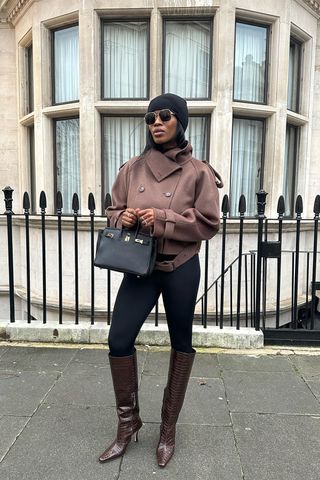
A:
{"points": [[165, 115], [150, 118]]}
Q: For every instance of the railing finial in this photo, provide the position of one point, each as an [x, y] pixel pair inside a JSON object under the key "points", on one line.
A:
{"points": [[8, 198]]}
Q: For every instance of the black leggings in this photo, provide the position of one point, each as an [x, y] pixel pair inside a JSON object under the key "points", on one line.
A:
{"points": [[137, 297]]}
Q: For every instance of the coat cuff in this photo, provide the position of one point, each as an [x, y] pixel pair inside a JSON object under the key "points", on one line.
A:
{"points": [[164, 223], [159, 222]]}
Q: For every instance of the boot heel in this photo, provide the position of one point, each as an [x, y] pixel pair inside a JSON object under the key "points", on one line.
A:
{"points": [[136, 437]]}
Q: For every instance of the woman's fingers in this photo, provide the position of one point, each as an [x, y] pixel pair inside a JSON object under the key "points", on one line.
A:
{"points": [[147, 216], [129, 217]]}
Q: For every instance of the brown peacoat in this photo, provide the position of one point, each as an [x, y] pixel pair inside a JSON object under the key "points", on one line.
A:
{"points": [[183, 193]]}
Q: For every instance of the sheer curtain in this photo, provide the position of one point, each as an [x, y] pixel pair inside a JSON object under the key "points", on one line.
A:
{"points": [[66, 65], [246, 166], [250, 63], [187, 58], [125, 60], [68, 160], [293, 79], [197, 134], [123, 138], [29, 56], [290, 167]]}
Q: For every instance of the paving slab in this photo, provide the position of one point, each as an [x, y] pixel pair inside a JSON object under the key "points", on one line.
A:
{"points": [[263, 363], [22, 392], [3, 349], [100, 356], [36, 359], [10, 428], [314, 387], [308, 366], [205, 402], [62, 442], [274, 447], [201, 452], [205, 365], [83, 384], [269, 392]]}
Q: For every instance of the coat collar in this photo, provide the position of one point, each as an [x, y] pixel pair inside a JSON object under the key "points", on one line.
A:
{"points": [[164, 164]]}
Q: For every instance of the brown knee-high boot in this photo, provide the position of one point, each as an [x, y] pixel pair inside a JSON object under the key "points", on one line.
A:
{"points": [[125, 383], [173, 398]]}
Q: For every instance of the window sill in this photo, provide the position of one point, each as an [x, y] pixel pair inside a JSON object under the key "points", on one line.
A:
{"points": [[296, 118], [65, 110], [253, 110], [27, 120]]}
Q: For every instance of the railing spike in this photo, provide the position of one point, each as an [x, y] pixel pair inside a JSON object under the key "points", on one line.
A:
{"points": [[75, 203], [91, 202], [242, 204], [43, 200], [299, 205], [107, 201], [281, 208], [316, 206], [225, 205], [26, 201], [59, 200]]}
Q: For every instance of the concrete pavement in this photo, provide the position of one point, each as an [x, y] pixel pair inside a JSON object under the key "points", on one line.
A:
{"points": [[248, 415]]}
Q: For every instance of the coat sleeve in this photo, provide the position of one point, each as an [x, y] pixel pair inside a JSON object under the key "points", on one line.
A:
{"points": [[119, 198], [201, 222]]}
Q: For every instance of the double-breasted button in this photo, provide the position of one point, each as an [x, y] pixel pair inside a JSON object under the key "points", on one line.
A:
{"points": [[141, 188], [168, 194]]}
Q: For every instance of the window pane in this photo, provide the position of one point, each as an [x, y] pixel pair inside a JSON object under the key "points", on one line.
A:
{"points": [[197, 134], [250, 63], [29, 54], [247, 148], [32, 172], [294, 73], [68, 160], [125, 53], [187, 58], [123, 138], [66, 65], [290, 167]]}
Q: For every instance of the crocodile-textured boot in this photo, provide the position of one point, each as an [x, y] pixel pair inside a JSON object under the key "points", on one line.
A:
{"points": [[125, 383], [173, 398]]}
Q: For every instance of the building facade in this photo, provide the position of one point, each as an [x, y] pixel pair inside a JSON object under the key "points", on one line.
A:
{"points": [[76, 78]]}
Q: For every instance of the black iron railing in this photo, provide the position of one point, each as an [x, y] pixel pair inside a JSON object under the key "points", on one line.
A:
{"points": [[237, 265]]}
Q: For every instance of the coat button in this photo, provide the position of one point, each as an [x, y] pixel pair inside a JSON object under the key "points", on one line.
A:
{"points": [[141, 188], [168, 194]]}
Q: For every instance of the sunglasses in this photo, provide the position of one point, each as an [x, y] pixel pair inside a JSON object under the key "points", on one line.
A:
{"points": [[165, 115]]}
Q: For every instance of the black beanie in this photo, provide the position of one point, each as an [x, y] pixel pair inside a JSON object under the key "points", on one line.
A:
{"points": [[176, 104]]}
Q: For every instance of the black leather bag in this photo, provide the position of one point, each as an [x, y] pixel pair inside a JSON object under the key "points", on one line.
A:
{"points": [[126, 250]]}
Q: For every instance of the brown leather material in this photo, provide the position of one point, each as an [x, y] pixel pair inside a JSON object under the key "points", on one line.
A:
{"points": [[173, 397], [125, 383]]}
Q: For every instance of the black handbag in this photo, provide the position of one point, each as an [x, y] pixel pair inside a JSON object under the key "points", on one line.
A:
{"points": [[125, 250]]}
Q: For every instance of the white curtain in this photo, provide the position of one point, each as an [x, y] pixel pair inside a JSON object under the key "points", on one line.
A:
{"points": [[125, 60], [124, 137], [246, 163], [293, 80], [250, 63], [66, 64], [289, 168], [68, 160], [187, 58], [197, 134]]}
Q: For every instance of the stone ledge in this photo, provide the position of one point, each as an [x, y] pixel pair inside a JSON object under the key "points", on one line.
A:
{"points": [[212, 336]]}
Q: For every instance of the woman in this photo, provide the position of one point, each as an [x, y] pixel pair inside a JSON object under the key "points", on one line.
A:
{"points": [[175, 196]]}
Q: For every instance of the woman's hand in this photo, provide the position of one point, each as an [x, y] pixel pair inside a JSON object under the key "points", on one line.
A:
{"points": [[146, 216], [129, 218]]}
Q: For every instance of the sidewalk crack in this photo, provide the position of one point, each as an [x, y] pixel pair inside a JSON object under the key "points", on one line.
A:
{"points": [[231, 420]]}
